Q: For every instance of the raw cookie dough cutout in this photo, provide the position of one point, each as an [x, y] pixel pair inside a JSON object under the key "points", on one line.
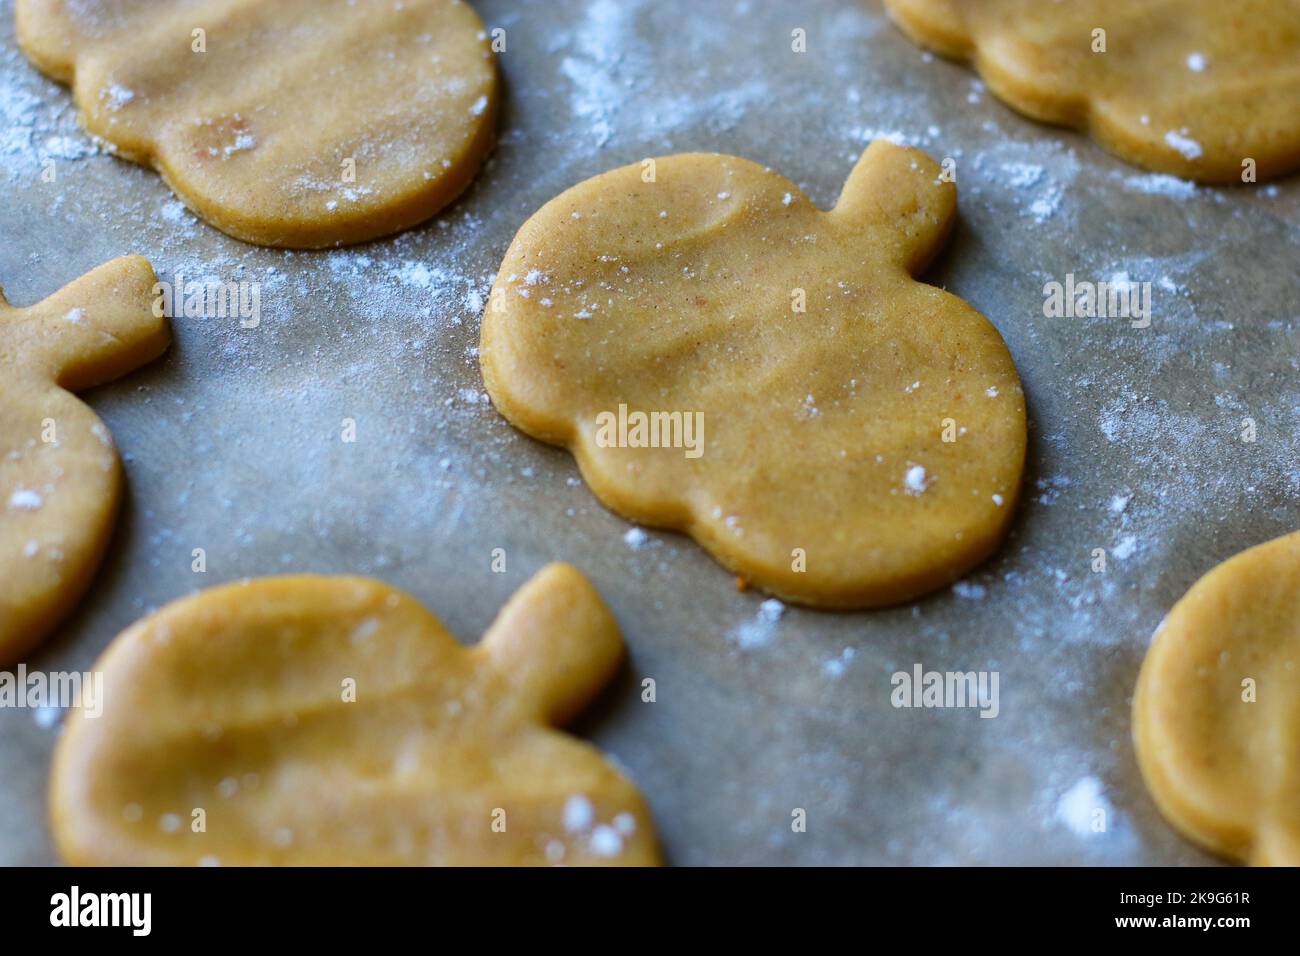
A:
{"points": [[1216, 715], [813, 381], [334, 721], [302, 123], [1188, 87], [60, 478]]}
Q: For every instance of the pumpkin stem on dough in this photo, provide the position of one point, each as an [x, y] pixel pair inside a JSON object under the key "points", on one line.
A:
{"points": [[902, 200], [937, 24], [555, 642], [101, 326]]}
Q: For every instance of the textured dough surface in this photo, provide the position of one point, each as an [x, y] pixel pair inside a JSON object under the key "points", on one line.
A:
{"points": [[1188, 87], [680, 295], [232, 701], [1225, 771], [254, 133], [60, 478]]}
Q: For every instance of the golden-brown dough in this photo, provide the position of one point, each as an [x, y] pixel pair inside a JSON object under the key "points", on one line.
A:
{"points": [[235, 702], [675, 286], [1189, 87], [60, 478], [302, 123], [1216, 715]]}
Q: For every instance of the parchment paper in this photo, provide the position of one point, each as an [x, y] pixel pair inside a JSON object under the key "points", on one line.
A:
{"points": [[232, 441]]}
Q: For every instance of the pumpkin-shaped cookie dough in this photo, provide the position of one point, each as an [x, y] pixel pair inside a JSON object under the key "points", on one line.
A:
{"points": [[324, 721], [60, 479], [299, 123], [723, 358], [1216, 716], [1203, 89]]}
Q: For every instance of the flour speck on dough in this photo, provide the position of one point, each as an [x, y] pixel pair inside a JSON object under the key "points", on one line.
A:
{"points": [[915, 480], [24, 499]]}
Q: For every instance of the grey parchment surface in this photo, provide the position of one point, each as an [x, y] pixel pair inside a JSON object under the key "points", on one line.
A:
{"points": [[232, 441]]}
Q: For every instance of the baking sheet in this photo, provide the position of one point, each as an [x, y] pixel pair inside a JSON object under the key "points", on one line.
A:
{"points": [[232, 441]]}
